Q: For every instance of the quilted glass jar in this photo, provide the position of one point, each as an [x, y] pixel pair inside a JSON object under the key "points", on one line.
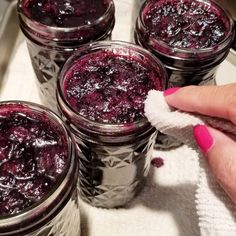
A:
{"points": [[101, 93], [55, 29], [234, 43], [38, 173], [190, 37]]}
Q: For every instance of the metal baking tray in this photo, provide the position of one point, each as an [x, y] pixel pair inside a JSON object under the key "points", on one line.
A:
{"points": [[8, 32]]}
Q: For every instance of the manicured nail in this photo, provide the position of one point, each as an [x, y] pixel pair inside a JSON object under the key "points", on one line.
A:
{"points": [[203, 138], [170, 91]]}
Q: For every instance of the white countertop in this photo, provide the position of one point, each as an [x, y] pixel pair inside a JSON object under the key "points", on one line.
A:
{"points": [[166, 205]]}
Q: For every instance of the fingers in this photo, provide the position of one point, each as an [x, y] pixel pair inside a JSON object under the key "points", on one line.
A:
{"points": [[219, 149], [218, 101], [220, 152]]}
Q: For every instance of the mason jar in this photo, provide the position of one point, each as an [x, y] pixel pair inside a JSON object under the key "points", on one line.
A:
{"points": [[55, 29], [191, 38], [38, 173], [101, 92], [230, 6]]}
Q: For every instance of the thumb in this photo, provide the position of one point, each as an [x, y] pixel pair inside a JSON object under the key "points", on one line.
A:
{"points": [[220, 152]]}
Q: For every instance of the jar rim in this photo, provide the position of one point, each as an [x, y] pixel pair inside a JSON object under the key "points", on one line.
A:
{"points": [[178, 52], [67, 29], [109, 128], [9, 220], [53, 34]]}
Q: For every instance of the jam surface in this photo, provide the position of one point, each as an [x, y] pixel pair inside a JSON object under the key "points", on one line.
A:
{"points": [[186, 23], [110, 87], [65, 13], [33, 155]]}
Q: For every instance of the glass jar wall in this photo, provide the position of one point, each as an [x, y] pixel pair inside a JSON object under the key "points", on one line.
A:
{"points": [[101, 93]]}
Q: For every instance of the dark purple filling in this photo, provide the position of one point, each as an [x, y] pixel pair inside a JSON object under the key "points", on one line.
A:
{"points": [[157, 162], [33, 155], [110, 88], [186, 24], [65, 13]]}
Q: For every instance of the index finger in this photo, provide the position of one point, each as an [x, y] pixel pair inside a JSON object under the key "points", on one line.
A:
{"points": [[217, 101]]}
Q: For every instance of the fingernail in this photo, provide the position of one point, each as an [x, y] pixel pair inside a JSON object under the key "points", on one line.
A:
{"points": [[170, 91], [203, 137]]}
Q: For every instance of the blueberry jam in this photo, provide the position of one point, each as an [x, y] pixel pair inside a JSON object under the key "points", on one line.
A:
{"points": [[110, 87], [157, 162], [65, 13], [186, 24], [33, 156]]}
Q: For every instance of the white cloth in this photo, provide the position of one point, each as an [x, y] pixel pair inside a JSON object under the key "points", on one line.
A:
{"points": [[216, 211]]}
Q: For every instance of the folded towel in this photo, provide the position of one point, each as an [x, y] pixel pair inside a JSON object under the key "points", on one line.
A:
{"points": [[216, 212]]}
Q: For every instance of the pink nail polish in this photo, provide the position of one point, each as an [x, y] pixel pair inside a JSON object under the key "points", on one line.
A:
{"points": [[203, 137], [170, 91]]}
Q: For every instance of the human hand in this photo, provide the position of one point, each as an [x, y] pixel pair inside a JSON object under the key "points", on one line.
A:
{"points": [[219, 149]]}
